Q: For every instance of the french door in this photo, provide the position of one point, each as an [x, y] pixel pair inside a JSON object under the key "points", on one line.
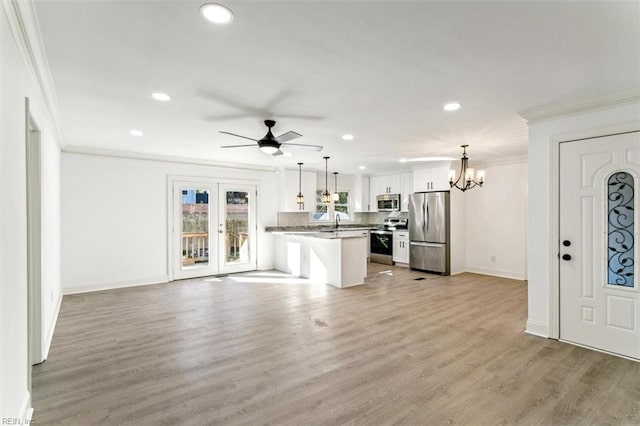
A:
{"points": [[598, 247], [213, 228]]}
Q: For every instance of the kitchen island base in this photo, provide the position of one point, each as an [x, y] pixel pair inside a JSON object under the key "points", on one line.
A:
{"points": [[338, 261]]}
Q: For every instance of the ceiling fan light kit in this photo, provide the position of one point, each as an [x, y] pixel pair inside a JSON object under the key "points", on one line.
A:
{"points": [[270, 144], [469, 178]]}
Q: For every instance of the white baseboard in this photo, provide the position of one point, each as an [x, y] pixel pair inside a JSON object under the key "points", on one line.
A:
{"points": [[26, 410], [49, 337], [537, 328], [111, 286], [496, 273]]}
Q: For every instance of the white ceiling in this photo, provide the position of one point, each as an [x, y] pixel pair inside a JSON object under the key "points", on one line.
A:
{"points": [[379, 70]]}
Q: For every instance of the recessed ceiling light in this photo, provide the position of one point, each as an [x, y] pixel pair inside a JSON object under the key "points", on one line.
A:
{"points": [[362, 167], [158, 96], [452, 106], [403, 160], [347, 137], [136, 133], [216, 13]]}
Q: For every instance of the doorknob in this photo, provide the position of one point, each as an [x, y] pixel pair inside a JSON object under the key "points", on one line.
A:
{"points": [[566, 257], [566, 243]]}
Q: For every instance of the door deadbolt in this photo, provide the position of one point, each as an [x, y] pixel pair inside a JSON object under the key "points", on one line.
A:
{"points": [[566, 243]]}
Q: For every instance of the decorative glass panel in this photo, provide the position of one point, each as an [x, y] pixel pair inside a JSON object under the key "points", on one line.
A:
{"points": [[237, 226], [621, 229], [195, 227]]}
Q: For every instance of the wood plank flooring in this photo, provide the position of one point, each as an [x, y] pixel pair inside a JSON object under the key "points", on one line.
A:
{"points": [[266, 348]]}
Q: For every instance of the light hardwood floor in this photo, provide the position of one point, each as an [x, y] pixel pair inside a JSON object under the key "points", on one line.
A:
{"points": [[269, 349]]}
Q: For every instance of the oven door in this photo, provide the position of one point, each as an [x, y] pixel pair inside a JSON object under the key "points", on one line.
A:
{"points": [[382, 247]]}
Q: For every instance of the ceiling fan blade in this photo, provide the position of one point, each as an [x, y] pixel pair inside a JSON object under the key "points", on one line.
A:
{"points": [[238, 146], [218, 118], [288, 136], [313, 147], [278, 152], [240, 136]]}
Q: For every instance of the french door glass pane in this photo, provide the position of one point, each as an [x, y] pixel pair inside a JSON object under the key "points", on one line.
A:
{"points": [[236, 219], [621, 229], [195, 227]]}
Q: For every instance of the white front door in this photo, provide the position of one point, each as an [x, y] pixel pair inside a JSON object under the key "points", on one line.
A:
{"points": [[598, 247]]}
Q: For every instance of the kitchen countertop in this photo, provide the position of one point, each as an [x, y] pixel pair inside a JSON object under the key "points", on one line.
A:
{"points": [[326, 235], [319, 228]]}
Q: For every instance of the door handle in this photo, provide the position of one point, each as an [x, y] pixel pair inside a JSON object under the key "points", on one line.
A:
{"points": [[566, 257], [566, 243]]}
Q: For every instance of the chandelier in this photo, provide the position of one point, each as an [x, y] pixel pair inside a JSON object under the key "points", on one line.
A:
{"points": [[466, 174]]}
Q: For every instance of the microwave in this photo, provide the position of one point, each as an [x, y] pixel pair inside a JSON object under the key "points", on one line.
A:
{"points": [[388, 202]]}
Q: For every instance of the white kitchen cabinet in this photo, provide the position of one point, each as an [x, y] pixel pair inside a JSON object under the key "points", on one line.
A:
{"points": [[406, 190], [289, 182], [362, 195], [401, 247], [385, 184], [431, 179]]}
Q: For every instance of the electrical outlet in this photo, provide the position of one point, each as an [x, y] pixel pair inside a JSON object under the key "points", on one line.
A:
{"points": [[493, 258]]}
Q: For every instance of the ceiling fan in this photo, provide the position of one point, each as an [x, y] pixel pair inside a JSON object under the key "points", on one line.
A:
{"points": [[271, 144]]}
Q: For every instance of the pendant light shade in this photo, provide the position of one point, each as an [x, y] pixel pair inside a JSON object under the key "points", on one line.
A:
{"points": [[300, 197], [336, 196], [468, 176], [326, 196]]}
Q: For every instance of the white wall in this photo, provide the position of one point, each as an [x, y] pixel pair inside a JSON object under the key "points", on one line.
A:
{"points": [[544, 136], [115, 212], [457, 207], [495, 218], [18, 80]]}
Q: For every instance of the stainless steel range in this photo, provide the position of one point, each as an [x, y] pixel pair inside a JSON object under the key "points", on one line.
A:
{"points": [[382, 240]]}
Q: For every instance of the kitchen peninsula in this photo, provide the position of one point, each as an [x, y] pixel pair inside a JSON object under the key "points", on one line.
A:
{"points": [[323, 255]]}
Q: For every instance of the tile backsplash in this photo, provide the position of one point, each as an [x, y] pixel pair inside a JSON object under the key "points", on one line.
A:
{"points": [[304, 218], [293, 218]]}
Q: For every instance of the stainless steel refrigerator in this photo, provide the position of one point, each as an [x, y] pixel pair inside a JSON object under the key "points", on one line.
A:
{"points": [[429, 232]]}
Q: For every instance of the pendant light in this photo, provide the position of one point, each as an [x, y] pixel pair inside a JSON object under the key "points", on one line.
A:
{"points": [[466, 174], [300, 198], [326, 196], [336, 196]]}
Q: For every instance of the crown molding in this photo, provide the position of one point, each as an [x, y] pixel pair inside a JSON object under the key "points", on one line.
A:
{"points": [[556, 110], [132, 155], [23, 22]]}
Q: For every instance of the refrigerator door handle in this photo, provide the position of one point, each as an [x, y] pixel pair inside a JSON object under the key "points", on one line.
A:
{"points": [[423, 213], [421, 244], [428, 219]]}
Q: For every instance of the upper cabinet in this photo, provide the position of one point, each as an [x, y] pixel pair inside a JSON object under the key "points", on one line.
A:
{"points": [[398, 183], [385, 184], [431, 179], [406, 180], [362, 196], [289, 180]]}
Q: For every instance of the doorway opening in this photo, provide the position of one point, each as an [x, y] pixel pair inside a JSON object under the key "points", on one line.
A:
{"points": [[34, 240]]}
